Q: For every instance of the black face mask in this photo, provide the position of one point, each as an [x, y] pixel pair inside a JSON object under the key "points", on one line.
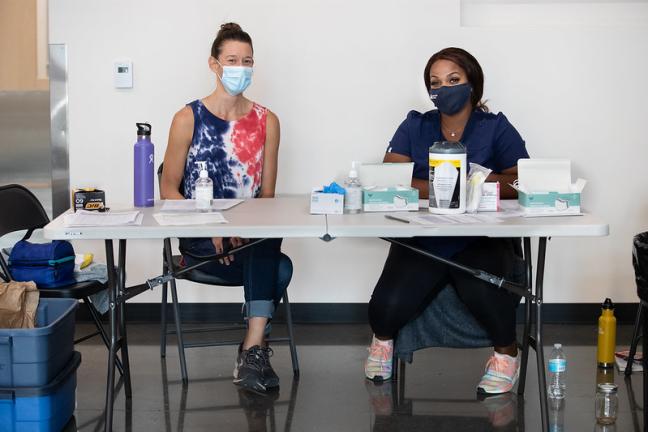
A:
{"points": [[451, 99]]}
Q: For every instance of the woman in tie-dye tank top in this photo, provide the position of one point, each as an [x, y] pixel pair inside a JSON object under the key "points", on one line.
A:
{"points": [[239, 141]]}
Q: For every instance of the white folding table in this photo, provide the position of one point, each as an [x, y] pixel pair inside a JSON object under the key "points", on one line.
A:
{"points": [[288, 217]]}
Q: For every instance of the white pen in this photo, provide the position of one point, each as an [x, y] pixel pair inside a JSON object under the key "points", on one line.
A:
{"points": [[397, 218]]}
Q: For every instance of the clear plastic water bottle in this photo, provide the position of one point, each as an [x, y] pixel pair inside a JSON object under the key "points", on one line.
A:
{"points": [[557, 369], [353, 191], [556, 415]]}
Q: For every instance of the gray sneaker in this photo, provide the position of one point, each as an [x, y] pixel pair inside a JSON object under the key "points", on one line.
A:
{"points": [[252, 369], [269, 375]]}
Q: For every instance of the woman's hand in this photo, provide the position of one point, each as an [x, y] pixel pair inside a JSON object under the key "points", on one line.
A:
{"points": [[218, 245], [220, 248], [238, 241]]}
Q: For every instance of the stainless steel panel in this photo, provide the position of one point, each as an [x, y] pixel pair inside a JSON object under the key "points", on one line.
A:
{"points": [[24, 142], [59, 128]]}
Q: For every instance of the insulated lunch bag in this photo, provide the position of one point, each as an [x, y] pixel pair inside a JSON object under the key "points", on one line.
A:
{"points": [[50, 265]]}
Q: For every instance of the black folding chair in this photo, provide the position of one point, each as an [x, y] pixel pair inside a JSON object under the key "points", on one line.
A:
{"points": [[640, 264], [21, 210], [172, 263]]}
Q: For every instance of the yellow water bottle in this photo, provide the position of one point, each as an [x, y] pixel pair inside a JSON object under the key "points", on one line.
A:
{"points": [[606, 335]]}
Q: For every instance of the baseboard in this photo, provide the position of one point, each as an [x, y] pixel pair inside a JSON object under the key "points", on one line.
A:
{"points": [[338, 313]]}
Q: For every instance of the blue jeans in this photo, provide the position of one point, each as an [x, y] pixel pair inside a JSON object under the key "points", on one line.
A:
{"points": [[262, 269]]}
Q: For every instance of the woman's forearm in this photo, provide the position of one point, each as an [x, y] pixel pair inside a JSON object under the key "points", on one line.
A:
{"points": [[167, 191], [423, 187]]}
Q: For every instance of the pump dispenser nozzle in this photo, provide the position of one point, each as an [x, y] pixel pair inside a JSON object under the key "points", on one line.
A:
{"points": [[354, 169], [203, 169]]}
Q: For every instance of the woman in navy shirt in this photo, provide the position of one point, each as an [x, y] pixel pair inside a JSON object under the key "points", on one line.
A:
{"points": [[410, 281]]}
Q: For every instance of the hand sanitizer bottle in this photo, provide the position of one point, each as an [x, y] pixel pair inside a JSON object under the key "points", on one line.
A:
{"points": [[204, 188], [353, 191]]}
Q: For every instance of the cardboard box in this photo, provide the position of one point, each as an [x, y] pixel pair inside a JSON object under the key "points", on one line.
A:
{"points": [[490, 199], [549, 203], [88, 199], [385, 199], [326, 203], [545, 188]]}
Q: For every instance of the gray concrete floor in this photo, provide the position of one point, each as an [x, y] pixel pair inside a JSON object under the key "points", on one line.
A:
{"points": [[438, 390]]}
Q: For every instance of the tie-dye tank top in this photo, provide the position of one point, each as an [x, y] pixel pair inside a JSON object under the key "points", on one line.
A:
{"points": [[233, 151]]}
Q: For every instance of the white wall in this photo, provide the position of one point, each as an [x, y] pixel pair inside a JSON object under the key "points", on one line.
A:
{"points": [[341, 76]]}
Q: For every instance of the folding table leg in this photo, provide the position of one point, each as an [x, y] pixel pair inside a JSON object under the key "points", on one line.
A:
{"points": [[291, 405], [163, 317], [542, 381], [122, 319], [179, 335], [102, 332], [520, 415], [401, 382], [633, 403], [395, 364], [527, 317], [183, 406], [176, 313], [112, 349], [165, 396], [291, 336]]}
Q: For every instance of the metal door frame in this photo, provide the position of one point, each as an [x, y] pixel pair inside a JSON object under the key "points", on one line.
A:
{"points": [[57, 68]]}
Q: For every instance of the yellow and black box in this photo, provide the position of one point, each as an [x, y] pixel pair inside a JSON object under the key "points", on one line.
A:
{"points": [[88, 199]]}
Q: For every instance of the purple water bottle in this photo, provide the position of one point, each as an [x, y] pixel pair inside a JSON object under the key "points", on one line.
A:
{"points": [[144, 166]]}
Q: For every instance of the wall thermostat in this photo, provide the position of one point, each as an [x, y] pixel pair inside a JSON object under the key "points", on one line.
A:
{"points": [[123, 74]]}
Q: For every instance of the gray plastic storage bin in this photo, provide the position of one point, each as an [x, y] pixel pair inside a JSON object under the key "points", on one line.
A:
{"points": [[34, 357]]}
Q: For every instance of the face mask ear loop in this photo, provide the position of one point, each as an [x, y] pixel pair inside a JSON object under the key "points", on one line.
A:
{"points": [[220, 78]]}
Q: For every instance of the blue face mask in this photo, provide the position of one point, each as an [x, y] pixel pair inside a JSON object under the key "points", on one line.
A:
{"points": [[236, 79], [451, 99]]}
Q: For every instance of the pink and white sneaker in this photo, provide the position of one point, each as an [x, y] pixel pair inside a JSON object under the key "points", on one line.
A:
{"points": [[502, 373], [378, 366]]}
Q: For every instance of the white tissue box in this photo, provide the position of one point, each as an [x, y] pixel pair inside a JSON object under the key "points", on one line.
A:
{"points": [[545, 189], [383, 199], [549, 203], [326, 203]]}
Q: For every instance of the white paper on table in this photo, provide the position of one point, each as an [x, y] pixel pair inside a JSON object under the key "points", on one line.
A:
{"points": [[189, 205], [429, 219], [465, 218], [189, 218], [83, 218]]}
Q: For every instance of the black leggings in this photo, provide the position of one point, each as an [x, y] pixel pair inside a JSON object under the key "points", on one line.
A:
{"points": [[410, 281]]}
